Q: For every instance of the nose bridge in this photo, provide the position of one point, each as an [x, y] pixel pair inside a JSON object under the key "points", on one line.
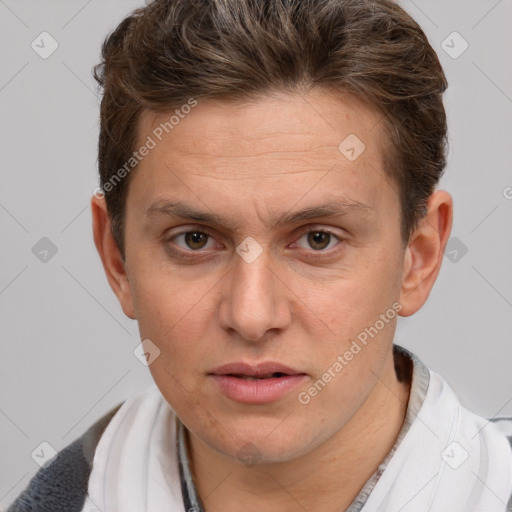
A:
{"points": [[253, 278], [251, 303]]}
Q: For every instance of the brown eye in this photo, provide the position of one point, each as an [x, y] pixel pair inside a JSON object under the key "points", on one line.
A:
{"points": [[319, 240], [190, 241], [195, 239]]}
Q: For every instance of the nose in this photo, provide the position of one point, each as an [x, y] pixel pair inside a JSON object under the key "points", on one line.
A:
{"points": [[254, 299]]}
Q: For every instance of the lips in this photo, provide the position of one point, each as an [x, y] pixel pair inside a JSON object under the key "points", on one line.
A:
{"points": [[275, 375], [261, 371], [256, 384]]}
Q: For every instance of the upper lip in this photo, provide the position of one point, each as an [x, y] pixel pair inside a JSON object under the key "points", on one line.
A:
{"points": [[255, 370]]}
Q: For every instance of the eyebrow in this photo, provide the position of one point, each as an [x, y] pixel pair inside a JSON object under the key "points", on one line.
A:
{"points": [[331, 209]]}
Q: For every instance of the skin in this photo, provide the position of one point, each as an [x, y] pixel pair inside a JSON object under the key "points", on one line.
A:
{"points": [[298, 303]]}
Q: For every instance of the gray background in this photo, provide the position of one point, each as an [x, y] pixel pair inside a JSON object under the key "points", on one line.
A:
{"points": [[66, 351]]}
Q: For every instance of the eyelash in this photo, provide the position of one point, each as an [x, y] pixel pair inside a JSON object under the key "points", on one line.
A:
{"points": [[190, 252]]}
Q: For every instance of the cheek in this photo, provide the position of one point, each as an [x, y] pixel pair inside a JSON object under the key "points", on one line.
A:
{"points": [[176, 320], [344, 307], [166, 303], [347, 323]]}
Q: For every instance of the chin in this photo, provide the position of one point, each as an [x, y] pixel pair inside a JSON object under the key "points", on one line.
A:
{"points": [[262, 442]]}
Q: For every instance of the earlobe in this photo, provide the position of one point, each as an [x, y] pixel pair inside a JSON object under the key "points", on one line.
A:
{"points": [[113, 264], [424, 253]]}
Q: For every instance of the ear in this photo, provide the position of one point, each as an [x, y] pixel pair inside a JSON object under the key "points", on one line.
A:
{"points": [[424, 252], [110, 255]]}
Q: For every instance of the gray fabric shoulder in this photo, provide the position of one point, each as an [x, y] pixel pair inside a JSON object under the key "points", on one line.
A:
{"points": [[62, 485]]}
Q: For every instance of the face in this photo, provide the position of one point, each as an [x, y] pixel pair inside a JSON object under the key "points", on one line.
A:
{"points": [[251, 238]]}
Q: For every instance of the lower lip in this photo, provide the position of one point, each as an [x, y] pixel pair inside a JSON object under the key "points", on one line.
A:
{"points": [[259, 391]]}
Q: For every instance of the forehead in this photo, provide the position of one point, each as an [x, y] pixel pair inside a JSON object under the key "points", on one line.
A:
{"points": [[267, 151], [304, 122]]}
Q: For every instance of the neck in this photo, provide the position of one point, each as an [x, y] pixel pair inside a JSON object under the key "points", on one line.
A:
{"points": [[328, 478]]}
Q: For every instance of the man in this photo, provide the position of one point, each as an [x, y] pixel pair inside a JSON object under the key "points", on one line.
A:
{"points": [[268, 209]]}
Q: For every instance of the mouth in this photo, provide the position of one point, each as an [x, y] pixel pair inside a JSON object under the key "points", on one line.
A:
{"points": [[275, 375], [256, 384], [266, 370]]}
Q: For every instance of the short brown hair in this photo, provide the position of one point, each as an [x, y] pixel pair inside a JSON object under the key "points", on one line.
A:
{"points": [[172, 50]]}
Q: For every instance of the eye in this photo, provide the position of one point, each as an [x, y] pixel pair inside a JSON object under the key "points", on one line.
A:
{"points": [[319, 239], [194, 240]]}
